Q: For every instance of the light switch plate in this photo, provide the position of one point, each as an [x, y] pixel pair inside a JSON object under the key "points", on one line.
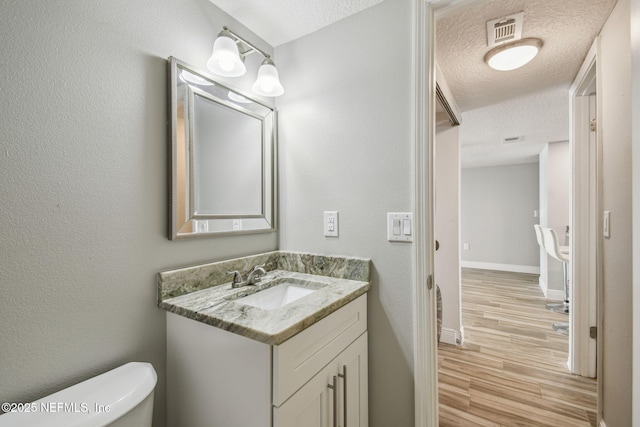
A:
{"points": [[400, 226], [331, 223]]}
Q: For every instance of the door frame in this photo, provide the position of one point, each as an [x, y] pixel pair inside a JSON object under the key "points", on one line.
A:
{"points": [[425, 346], [586, 260], [425, 360], [425, 343]]}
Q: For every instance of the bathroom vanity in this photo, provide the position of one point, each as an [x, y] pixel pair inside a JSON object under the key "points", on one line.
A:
{"points": [[237, 359]]}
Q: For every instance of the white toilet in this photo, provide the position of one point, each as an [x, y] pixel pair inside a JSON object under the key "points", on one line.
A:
{"points": [[122, 397]]}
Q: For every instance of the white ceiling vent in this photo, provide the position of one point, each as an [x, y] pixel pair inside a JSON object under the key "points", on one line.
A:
{"points": [[512, 139], [505, 29]]}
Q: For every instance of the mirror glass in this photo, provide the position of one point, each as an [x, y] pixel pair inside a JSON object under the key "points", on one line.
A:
{"points": [[223, 145]]}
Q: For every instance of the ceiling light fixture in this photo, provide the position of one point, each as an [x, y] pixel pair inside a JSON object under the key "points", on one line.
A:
{"points": [[227, 59], [510, 56]]}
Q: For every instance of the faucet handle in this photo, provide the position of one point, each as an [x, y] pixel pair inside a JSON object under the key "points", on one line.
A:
{"points": [[256, 274], [237, 277]]}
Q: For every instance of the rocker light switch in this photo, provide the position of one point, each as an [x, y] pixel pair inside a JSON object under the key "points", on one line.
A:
{"points": [[400, 226], [406, 227], [396, 227]]}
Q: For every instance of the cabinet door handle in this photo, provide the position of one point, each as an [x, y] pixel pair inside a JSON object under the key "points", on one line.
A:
{"points": [[334, 387], [343, 375]]}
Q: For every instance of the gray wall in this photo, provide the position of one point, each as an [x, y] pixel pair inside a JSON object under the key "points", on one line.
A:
{"points": [[497, 205], [447, 225], [635, 101], [617, 307], [555, 200], [346, 145], [83, 167]]}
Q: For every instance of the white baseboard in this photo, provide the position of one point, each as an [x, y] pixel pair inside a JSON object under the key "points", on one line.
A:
{"points": [[550, 294], [554, 294], [543, 286], [602, 424], [451, 336], [530, 269]]}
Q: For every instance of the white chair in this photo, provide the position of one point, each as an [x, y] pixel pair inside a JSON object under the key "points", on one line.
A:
{"points": [[561, 307], [550, 240]]}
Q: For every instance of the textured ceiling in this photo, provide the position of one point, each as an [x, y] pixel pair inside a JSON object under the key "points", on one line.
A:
{"points": [[538, 118], [567, 28], [532, 101], [280, 21]]}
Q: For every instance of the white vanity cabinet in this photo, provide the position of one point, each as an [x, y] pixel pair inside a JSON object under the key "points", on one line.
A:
{"points": [[335, 396], [219, 379]]}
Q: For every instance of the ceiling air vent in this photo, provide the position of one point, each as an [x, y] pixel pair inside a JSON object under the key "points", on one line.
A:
{"points": [[505, 29], [512, 139]]}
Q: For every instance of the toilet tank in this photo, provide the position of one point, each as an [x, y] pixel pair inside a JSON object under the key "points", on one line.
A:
{"points": [[122, 397]]}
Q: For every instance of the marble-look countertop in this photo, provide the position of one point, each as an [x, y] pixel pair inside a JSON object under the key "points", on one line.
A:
{"points": [[219, 306]]}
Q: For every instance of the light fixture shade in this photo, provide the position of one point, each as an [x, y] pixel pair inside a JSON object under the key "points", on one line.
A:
{"points": [[511, 56], [225, 59], [195, 79], [268, 81]]}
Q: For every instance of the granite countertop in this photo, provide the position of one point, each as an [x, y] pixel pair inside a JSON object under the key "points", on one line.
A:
{"points": [[219, 306]]}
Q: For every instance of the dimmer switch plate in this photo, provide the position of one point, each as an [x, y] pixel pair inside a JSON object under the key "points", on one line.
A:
{"points": [[331, 223], [400, 226]]}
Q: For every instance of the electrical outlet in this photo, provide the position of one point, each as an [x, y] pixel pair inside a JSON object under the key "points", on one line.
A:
{"points": [[465, 246], [331, 223]]}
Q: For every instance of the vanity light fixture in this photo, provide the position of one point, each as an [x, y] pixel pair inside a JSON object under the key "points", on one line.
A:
{"points": [[510, 56], [227, 59], [268, 81]]}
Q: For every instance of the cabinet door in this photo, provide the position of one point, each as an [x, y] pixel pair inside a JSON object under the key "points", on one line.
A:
{"points": [[313, 404], [353, 406]]}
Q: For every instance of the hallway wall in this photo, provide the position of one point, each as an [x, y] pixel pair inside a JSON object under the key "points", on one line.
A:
{"points": [[555, 200], [497, 206], [447, 229], [635, 185], [616, 164]]}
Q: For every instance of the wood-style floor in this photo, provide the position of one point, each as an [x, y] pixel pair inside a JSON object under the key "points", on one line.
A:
{"points": [[512, 369]]}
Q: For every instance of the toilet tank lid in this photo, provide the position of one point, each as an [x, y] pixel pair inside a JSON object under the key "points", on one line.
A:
{"points": [[97, 401]]}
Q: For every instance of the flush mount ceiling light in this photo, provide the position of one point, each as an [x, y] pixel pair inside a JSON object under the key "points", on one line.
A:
{"points": [[510, 56], [227, 59]]}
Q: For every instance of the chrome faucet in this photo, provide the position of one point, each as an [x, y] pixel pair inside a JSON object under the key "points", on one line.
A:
{"points": [[256, 274], [253, 277]]}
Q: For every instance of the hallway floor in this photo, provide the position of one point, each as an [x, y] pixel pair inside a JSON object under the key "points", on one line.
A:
{"points": [[512, 368]]}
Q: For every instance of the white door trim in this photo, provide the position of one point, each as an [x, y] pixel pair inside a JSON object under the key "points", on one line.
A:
{"points": [[425, 344], [424, 301], [584, 218]]}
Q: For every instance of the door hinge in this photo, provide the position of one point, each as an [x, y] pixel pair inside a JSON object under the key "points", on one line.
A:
{"points": [[593, 332], [593, 125], [430, 282]]}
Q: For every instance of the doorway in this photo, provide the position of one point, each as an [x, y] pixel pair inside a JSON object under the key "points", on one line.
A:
{"points": [[449, 7]]}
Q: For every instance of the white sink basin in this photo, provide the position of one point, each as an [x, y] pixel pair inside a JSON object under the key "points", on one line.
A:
{"points": [[276, 296]]}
